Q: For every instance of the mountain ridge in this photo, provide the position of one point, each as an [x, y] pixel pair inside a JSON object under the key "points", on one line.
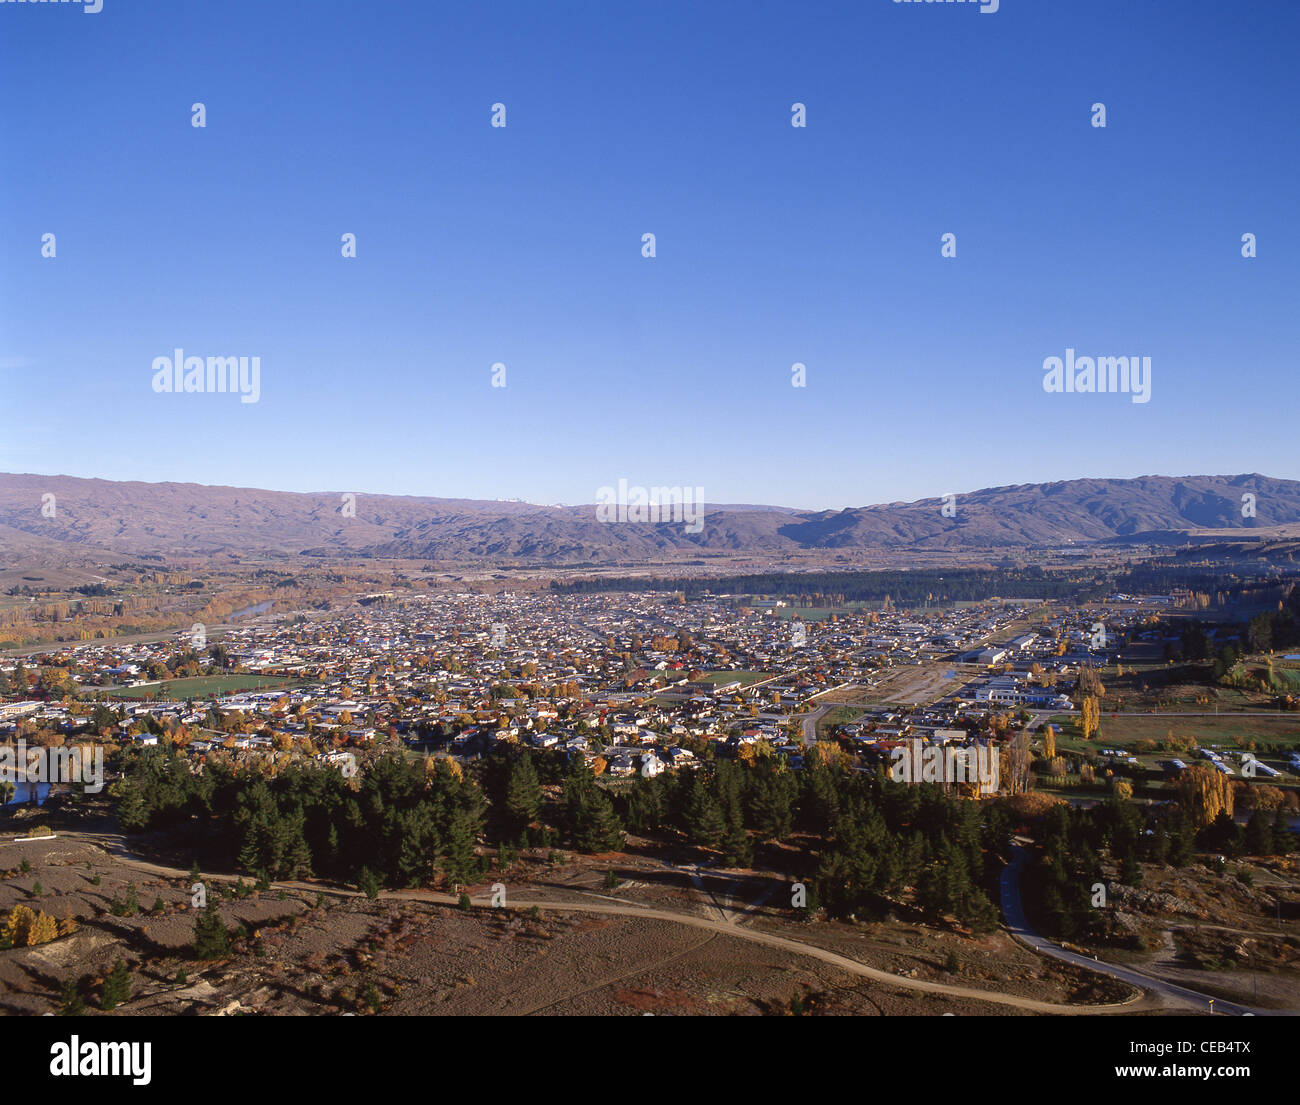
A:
{"points": [[187, 519]]}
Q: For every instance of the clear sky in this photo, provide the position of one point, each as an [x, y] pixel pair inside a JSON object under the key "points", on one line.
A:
{"points": [[775, 244]]}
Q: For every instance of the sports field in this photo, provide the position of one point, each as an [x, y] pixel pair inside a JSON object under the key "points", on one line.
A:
{"points": [[205, 686]]}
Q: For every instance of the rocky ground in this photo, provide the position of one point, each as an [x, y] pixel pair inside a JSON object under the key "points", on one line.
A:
{"points": [[1234, 934], [303, 950]]}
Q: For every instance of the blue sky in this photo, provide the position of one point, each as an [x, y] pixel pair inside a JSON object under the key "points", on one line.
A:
{"points": [[522, 244]]}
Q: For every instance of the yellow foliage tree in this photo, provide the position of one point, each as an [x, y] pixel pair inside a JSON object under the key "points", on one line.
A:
{"points": [[830, 754], [1205, 793], [44, 929], [17, 925], [1090, 720], [23, 928]]}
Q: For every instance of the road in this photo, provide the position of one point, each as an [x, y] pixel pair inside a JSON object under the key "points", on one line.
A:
{"points": [[1037, 717], [823, 708], [810, 725], [1018, 926]]}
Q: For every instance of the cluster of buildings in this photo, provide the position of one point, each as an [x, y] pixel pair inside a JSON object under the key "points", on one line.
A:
{"points": [[636, 683]]}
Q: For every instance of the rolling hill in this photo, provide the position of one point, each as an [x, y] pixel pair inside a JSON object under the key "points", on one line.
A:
{"points": [[93, 518]]}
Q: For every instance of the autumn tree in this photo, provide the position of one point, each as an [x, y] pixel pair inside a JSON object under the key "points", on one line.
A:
{"points": [[1090, 683], [1204, 794], [1090, 718], [1018, 761], [17, 926], [44, 929]]}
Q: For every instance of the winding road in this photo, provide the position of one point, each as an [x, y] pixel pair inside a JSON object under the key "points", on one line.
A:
{"points": [[731, 922], [732, 926], [1018, 926]]}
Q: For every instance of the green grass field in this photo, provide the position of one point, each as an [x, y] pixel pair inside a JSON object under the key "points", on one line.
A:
{"points": [[744, 677], [836, 715], [1289, 674], [1225, 731], [205, 686], [1229, 730]]}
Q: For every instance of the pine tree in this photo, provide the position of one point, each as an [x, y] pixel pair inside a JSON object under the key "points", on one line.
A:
{"points": [[739, 850], [117, 986], [71, 1003], [418, 846], [1182, 839], [978, 912], [704, 821], [1283, 839], [523, 793], [296, 861], [598, 829], [211, 940], [368, 883], [1259, 835], [774, 806], [1130, 872], [643, 805], [461, 862]]}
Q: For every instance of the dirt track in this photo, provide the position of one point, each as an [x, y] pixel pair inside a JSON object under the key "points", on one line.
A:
{"points": [[592, 904]]}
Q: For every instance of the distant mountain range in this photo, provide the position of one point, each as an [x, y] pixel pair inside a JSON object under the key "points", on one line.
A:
{"points": [[94, 517]]}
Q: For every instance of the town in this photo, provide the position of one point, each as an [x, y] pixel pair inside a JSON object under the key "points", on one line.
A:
{"points": [[635, 685]]}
